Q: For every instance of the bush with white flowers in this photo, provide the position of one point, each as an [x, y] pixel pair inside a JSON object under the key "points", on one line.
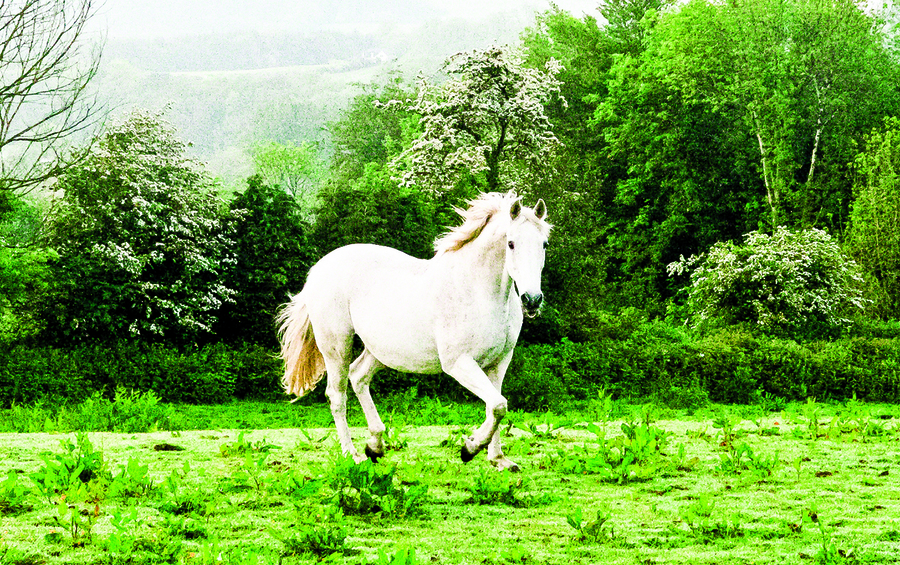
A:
{"points": [[788, 280], [140, 239]]}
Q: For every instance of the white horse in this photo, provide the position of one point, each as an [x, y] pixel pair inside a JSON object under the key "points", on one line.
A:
{"points": [[459, 312]]}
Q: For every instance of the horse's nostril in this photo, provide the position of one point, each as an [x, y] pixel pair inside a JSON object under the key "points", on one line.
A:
{"points": [[532, 301]]}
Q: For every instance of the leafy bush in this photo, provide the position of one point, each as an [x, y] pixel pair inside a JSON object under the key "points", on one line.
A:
{"points": [[795, 282]]}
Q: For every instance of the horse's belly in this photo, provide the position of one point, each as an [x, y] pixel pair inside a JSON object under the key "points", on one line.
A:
{"points": [[401, 344], [397, 327]]}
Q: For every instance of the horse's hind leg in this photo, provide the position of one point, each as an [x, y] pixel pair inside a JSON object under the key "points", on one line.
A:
{"points": [[361, 372], [336, 350]]}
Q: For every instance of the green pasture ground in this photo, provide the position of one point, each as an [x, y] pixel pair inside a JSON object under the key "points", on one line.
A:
{"points": [[812, 483]]}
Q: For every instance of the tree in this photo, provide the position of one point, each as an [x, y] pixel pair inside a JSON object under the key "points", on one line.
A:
{"points": [[800, 75], [272, 258], [625, 21], [487, 118], [139, 235], [374, 210], [375, 128], [24, 271], [44, 97], [294, 168], [873, 238], [576, 179]]}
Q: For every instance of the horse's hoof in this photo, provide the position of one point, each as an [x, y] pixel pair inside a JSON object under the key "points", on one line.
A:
{"points": [[506, 464], [373, 455], [465, 454]]}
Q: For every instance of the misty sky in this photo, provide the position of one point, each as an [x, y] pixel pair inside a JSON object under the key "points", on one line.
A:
{"points": [[164, 18]]}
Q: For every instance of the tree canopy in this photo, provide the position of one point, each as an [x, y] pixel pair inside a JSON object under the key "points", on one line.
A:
{"points": [[488, 118]]}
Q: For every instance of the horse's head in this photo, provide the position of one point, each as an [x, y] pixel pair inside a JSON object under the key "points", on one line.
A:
{"points": [[526, 244]]}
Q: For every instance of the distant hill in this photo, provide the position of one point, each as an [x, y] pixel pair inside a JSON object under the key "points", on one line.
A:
{"points": [[231, 89]]}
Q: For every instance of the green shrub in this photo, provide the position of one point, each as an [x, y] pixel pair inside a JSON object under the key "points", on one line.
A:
{"points": [[28, 374]]}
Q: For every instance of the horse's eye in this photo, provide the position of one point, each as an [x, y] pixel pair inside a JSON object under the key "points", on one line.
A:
{"points": [[511, 245]]}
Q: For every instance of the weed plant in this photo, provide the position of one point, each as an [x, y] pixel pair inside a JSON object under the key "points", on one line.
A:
{"points": [[741, 457], [488, 487], [321, 534], [69, 472], [403, 556], [366, 488], [242, 446], [14, 496], [591, 530], [698, 517], [636, 455]]}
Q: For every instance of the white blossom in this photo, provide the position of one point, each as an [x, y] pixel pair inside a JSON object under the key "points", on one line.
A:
{"points": [[143, 211]]}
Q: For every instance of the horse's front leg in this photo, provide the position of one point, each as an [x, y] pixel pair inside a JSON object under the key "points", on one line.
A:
{"points": [[495, 449], [469, 374]]}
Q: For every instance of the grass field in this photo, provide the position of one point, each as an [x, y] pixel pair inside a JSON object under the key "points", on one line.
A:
{"points": [[809, 483]]}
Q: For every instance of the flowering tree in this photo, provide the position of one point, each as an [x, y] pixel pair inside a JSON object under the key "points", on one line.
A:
{"points": [[138, 231], [784, 281], [490, 113]]}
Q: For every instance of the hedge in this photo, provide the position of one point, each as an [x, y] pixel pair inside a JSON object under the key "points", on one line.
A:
{"points": [[208, 375], [649, 360], [729, 366]]}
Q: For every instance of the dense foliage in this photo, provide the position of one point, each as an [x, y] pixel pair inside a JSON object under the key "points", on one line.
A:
{"points": [[874, 235], [271, 258], [759, 139]]}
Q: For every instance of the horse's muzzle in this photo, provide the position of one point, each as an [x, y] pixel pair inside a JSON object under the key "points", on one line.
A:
{"points": [[531, 304]]}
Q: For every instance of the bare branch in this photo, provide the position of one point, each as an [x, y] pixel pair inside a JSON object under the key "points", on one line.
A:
{"points": [[45, 69]]}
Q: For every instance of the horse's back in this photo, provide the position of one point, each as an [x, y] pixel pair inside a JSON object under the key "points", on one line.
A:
{"points": [[353, 269], [381, 294]]}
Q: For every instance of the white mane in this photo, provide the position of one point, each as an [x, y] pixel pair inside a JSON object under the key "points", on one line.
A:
{"points": [[481, 210]]}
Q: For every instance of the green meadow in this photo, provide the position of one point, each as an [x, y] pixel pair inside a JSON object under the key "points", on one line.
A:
{"points": [[259, 483]]}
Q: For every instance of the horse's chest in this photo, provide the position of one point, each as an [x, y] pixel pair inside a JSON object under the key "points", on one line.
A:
{"points": [[489, 337]]}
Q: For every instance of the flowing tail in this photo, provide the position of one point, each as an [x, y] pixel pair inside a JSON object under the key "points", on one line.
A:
{"points": [[303, 362]]}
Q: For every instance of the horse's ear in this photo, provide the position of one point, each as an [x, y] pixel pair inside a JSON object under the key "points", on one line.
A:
{"points": [[540, 209], [515, 209]]}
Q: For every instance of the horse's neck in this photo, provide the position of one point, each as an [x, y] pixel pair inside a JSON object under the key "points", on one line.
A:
{"points": [[483, 264]]}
